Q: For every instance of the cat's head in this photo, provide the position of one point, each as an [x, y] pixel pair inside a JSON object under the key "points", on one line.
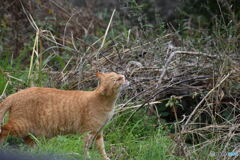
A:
{"points": [[110, 83]]}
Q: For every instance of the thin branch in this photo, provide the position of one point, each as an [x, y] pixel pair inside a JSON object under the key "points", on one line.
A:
{"points": [[199, 104]]}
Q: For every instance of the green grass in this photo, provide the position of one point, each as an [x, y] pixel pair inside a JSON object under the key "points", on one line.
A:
{"points": [[142, 138], [135, 141], [156, 147], [2, 83], [139, 139], [66, 146]]}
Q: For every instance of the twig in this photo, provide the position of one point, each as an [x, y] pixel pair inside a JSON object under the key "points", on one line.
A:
{"points": [[196, 54], [122, 109], [180, 52], [165, 67], [4, 90], [35, 46], [65, 28], [207, 128], [159, 91], [106, 32], [199, 104], [20, 80]]}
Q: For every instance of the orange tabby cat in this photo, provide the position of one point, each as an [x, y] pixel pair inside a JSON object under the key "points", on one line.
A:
{"points": [[50, 112]]}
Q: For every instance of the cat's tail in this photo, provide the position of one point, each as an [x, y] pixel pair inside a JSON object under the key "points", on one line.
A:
{"points": [[4, 107]]}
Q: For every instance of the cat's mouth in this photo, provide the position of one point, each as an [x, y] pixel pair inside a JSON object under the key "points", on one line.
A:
{"points": [[125, 83]]}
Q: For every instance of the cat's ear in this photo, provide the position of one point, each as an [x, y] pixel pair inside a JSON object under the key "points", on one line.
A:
{"points": [[99, 74]]}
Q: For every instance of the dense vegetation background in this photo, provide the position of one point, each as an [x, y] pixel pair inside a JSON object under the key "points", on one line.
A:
{"points": [[181, 57]]}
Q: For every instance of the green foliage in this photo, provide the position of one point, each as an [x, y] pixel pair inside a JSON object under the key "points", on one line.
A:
{"points": [[138, 138], [205, 13], [2, 82], [157, 147], [173, 101], [138, 13], [141, 137]]}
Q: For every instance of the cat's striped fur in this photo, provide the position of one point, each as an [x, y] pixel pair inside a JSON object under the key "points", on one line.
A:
{"points": [[50, 112]]}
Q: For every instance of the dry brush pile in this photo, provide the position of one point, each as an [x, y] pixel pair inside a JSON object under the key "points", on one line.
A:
{"points": [[200, 85]]}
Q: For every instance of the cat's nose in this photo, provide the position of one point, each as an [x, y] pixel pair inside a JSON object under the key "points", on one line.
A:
{"points": [[123, 77]]}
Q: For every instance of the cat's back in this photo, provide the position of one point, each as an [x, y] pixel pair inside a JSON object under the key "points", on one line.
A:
{"points": [[54, 111], [36, 97], [38, 92]]}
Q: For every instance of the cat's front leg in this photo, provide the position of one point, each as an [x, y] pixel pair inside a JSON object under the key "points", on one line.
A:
{"points": [[100, 146]]}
